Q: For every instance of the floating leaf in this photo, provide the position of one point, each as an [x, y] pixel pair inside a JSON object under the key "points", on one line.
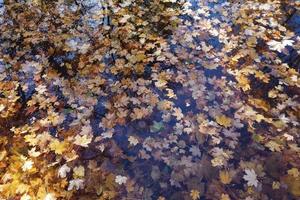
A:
{"points": [[121, 179], [133, 141], [82, 140], [223, 121], [157, 126], [195, 194], [225, 177], [58, 147], [250, 177]]}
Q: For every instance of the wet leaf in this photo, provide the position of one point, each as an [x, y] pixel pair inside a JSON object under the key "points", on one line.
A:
{"points": [[223, 120]]}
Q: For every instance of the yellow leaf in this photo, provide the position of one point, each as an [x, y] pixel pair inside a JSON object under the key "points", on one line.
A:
{"points": [[160, 83], [293, 185], [252, 41], [82, 140], [58, 147], [171, 93], [272, 93], [294, 172], [244, 82], [273, 146], [223, 120], [78, 172], [110, 182], [195, 194], [22, 188], [133, 141], [165, 105], [225, 197], [259, 103], [275, 185], [225, 177], [41, 194], [259, 117], [178, 113]]}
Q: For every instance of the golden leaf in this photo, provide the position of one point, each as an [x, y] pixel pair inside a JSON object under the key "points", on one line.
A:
{"points": [[273, 146], [165, 105], [293, 185], [275, 185], [195, 194], [78, 172], [178, 113], [58, 147], [225, 177], [223, 121], [82, 140], [259, 103], [244, 83], [294, 172], [252, 41], [225, 197]]}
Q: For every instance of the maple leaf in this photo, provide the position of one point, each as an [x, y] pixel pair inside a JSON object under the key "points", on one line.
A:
{"points": [[63, 170], [121, 179], [223, 120], [124, 18], [195, 194], [32, 153], [25, 197], [171, 93], [27, 165], [273, 146], [133, 141], [22, 188], [259, 103], [139, 113], [225, 177], [279, 46], [82, 140], [58, 147], [294, 172], [76, 184], [2, 107], [225, 197], [78, 172], [250, 177], [178, 113], [50, 196], [160, 83], [108, 134], [195, 151], [85, 130], [165, 105], [275, 185], [244, 82], [293, 185], [157, 126], [252, 41]]}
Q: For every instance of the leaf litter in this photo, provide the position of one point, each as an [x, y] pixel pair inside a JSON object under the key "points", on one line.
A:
{"points": [[143, 100]]}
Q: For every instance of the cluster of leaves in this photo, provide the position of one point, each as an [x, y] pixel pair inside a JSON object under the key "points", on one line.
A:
{"points": [[139, 99]]}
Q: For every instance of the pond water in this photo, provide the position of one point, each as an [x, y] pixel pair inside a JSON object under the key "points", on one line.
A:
{"points": [[149, 100]]}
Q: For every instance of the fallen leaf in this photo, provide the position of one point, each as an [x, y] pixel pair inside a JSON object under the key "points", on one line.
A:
{"points": [[82, 140], [121, 179], [225, 177], [223, 121], [195, 194], [250, 177], [133, 141]]}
